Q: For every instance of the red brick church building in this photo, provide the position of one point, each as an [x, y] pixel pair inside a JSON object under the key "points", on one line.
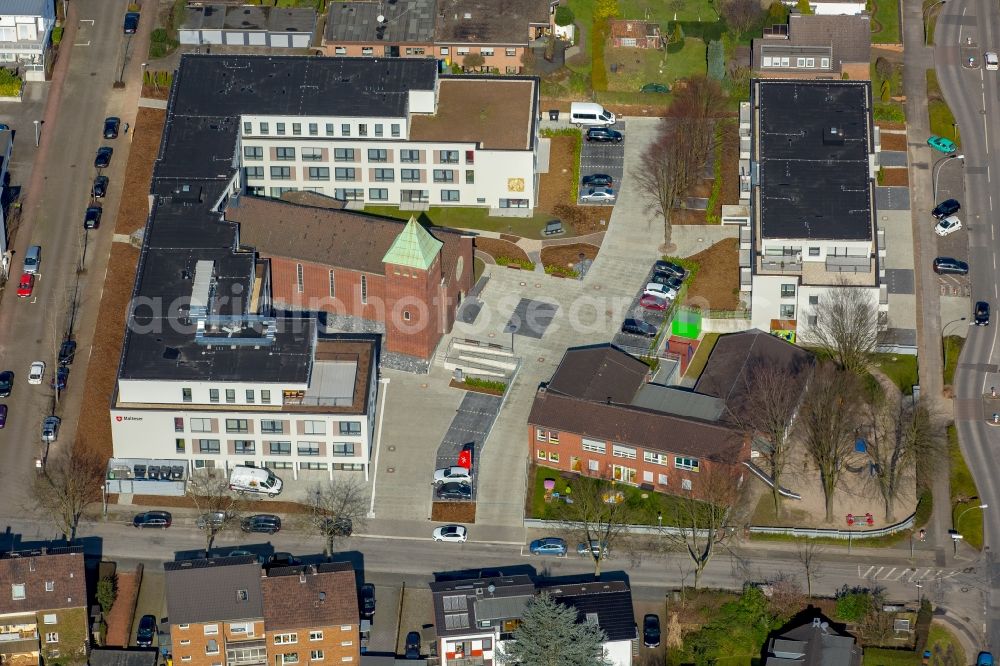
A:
{"points": [[398, 274]]}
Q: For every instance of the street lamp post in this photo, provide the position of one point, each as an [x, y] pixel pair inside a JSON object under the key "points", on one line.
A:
{"points": [[925, 13], [919, 595], [38, 131], [959, 520], [937, 171], [512, 329], [944, 345]]}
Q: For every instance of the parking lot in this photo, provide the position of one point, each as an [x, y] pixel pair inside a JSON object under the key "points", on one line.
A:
{"points": [[654, 317], [603, 157], [471, 425]]}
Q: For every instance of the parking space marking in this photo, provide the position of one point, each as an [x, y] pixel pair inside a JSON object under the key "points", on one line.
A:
{"points": [[607, 158], [471, 424], [82, 31]]}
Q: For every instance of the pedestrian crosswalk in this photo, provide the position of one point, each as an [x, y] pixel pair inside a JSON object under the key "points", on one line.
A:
{"points": [[904, 574]]}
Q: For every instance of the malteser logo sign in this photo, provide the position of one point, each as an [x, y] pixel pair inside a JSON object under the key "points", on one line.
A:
{"points": [[128, 418]]}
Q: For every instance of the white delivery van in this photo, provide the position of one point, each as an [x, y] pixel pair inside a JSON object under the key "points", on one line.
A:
{"points": [[588, 113], [254, 480]]}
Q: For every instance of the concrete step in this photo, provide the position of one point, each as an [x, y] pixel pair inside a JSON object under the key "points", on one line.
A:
{"points": [[491, 351], [471, 368], [488, 362]]}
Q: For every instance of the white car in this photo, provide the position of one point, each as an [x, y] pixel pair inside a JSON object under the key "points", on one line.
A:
{"points": [[599, 194], [948, 225], [448, 474], [992, 63], [451, 533], [36, 372], [660, 290]]}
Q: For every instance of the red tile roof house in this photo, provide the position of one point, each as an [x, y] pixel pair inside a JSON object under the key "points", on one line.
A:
{"points": [[601, 415], [405, 280], [631, 33]]}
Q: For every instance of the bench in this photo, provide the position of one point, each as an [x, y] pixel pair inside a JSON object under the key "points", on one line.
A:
{"points": [[553, 228]]}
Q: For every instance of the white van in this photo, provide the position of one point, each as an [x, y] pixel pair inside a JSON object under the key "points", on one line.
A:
{"points": [[588, 113], [254, 480], [32, 259]]}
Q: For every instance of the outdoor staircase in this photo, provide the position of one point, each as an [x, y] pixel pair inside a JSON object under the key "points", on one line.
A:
{"points": [[479, 359]]}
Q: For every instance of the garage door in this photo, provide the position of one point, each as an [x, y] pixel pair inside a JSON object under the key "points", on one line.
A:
{"points": [[257, 38], [279, 41], [235, 38]]}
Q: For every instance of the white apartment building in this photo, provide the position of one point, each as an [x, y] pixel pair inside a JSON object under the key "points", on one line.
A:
{"points": [[26, 35], [812, 222], [401, 135]]}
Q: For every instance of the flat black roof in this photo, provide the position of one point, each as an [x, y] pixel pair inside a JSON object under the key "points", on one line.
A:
{"points": [[814, 142], [404, 22]]}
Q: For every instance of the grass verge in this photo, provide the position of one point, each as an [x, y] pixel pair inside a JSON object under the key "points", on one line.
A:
{"points": [[900, 368], [952, 350], [942, 120], [964, 495], [887, 18]]}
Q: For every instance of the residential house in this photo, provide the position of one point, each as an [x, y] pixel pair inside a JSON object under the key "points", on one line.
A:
{"points": [[227, 609], [26, 36], [815, 642], [498, 30], [474, 616], [602, 415], [247, 25], [400, 29], [632, 33], [828, 7], [43, 607], [815, 46], [812, 214]]}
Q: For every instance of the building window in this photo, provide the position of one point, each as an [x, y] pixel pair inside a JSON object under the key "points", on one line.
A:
{"points": [[280, 448], [800, 62], [377, 194], [286, 639], [254, 172], [345, 173], [184, 627], [363, 129], [264, 127], [281, 173], [349, 195], [253, 152], [540, 435], [690, 464], [444, 176], [406, 315], [244, 446], [661, 479], [296, 129], [350, 428], [279, 129], [213, 395], [209, 446], [384, 175], [319, 173], [485, 51], [685, 484], [444, 50], [553, 437], [247, 127], [211, 629], [449, 195], [52, 637], [409, 175], [810, 62], [270, 427], [619, 451], [290, 658], [813, 299], [316, 655], [179, 445], [378, 155], [513, 203], [314, 427], [212, 646], [265, 397], [237, 425], [345, 129], [541, 454], [313, 129], [250, 396], [788, 291], [342, 449], [656, 458], [395, 129], [461, 50], [647, 477], [409, 156], [312, 154], [329, 129], [364, 289], [299, 278], [448, 156], [284, 153], [50, 618], [333, 284], [594, 446], [553, 456], [824, 63], [278, 192], [814, 252], [308, 448], [343, 154], [178, 424], [787, 312], [186, 394], [379, 129], [511, 52], [201, 425], [230, 396], [470, 177], [17, 591]]}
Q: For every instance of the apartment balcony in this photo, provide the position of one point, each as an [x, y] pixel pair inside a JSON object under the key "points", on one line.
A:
{"points": [[250, 652], [781, 265]]}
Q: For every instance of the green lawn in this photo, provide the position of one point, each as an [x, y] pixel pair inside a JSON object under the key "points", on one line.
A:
{"points": [[940, 642], [886, 17], [963, 487], [901, 369], [952, 350], [664, 12], [637, 67], [941, 118], [701, 356], [886, 657], [473, 218], [883, 90]]}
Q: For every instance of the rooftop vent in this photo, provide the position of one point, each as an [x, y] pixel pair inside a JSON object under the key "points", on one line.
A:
{"points": [[834, 136], [468, 15], [380, 18], [171, 353]]}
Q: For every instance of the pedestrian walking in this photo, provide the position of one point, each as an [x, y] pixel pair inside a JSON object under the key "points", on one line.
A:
{"points": [[126, 128]]}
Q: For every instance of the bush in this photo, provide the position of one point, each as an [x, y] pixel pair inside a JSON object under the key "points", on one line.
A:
{"points": [[555, 269], [889, 113], [677, 37], [804, 7], [853, 604], [777, 13], [107, 593], [564, 16], [473, 61], [57, 34], [513, 261], [716, 60], [923, 625], [10, 83], [489, 384]]}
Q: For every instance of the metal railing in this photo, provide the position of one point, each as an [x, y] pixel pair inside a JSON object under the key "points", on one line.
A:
{"points": [[837, 534]]}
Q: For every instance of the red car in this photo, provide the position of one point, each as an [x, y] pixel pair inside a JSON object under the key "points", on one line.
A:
{"points": [[651, 302], [26, 285]]}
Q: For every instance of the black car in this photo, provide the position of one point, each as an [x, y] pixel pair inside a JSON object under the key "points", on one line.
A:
{"points": [[342, 527], [111, 125], [455, 491], [100, 187], [947, 265], [946, 208], [263, 522], [92, 218], [61, 378], [147, 629], [604, 134], [103, 159], [670, 267], [412, 645], [598, 180], [651, 630], [981, 314], [668, 279], [67, 350], [367, 601], [6, 383], [639, 327], [131, 23], [161, 519]]}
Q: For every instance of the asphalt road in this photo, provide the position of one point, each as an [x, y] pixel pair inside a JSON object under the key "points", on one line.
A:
{"points": [[974, 97], [31, 329]]}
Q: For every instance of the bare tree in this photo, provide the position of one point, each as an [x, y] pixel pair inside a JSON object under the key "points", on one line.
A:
{"points": [[846, 325], [827, 425], [700, 524], [765, 413], [70, 482], [596, 519], [898, 433], [218, 506], [336, 509], [809, 554], [741, 15]]}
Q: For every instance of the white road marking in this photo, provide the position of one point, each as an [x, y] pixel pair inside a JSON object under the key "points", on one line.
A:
{"points": [[865, 575], [899, 575], [876, 574], [889, 574]]}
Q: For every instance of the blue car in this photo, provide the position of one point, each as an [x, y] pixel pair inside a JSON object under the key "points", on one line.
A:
{"points": [[548, 546], [984, 659]]}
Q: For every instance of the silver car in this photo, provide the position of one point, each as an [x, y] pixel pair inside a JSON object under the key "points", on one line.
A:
{"points": [[448, 474], [50, 428], [599, 195]]}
